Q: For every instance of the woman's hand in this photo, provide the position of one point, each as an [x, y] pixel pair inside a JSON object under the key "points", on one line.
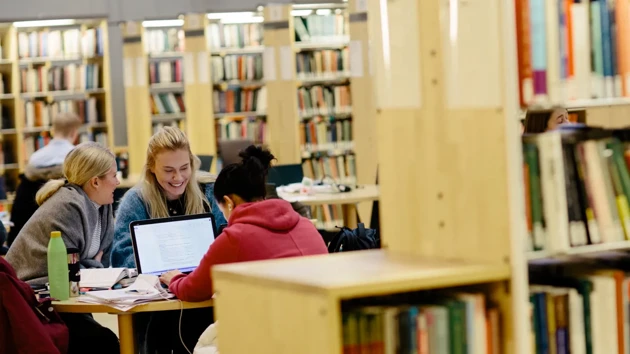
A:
{"points": [[98, 256], [167, 277]]}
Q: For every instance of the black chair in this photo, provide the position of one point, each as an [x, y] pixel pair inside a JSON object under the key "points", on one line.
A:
{"points": [[229, 150], [282, 175], [206, 162]]}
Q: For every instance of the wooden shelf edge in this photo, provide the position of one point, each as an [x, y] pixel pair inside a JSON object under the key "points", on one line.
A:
{"points": [[601, 249], [361, 274]]}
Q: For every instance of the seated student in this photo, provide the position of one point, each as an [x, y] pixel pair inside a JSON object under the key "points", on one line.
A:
{"points": [[163, 191], [80, 207], [539, 122], [171, 185], [43, 165], [258, 228]]}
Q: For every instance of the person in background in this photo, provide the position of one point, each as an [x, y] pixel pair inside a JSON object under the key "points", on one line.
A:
{"points": [[80, 207], [171, 185], [43, 165], [539, 122]]}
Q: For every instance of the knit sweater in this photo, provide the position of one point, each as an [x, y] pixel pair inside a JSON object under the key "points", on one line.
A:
{"points": [[71, 212], [133, 208]]}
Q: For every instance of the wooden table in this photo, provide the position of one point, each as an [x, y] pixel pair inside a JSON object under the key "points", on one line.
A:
{"points": [[125, 318], [348, 201]]}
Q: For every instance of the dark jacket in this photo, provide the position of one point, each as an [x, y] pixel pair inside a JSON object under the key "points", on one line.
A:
{"points": [[26, 326], [24, 205]]}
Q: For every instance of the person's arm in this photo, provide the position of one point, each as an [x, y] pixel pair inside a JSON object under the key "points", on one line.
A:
{"points": [[197, 286], [219, 219], [130, 209]]}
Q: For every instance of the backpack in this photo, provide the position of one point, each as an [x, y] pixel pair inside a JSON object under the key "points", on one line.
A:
{"points": [[354, 240]]}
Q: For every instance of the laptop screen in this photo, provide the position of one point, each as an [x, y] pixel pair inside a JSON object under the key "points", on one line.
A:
{"points": [[173, 243]]}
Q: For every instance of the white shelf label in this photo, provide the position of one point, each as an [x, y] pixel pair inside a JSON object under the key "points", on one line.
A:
{"points": [[356, 59], [361, 6], [189, 69], [128, 72], [141, 72], [131, 28], [275, 12], [203, 67], [287, 58]]}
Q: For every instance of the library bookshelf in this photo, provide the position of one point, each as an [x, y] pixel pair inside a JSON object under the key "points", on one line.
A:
{"points": [[48, 67], [451, 188]]}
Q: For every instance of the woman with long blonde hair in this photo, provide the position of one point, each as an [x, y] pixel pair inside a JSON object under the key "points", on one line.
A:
{"points": [[170, 186], [80, 207]]}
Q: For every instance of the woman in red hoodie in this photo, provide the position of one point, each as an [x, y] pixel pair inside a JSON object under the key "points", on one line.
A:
{"points": [[257, 229]]}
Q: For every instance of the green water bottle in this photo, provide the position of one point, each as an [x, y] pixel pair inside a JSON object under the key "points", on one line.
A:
{"points": [[58, 267]]}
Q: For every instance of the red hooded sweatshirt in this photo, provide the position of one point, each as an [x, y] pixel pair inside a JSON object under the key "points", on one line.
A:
{"points": [[256, 231]]}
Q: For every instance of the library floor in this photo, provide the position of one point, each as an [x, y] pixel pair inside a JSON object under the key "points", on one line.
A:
{"points": [[109, 321]]}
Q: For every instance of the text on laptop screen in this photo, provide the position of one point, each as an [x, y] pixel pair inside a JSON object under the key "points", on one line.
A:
{"points": [[173, 245]]}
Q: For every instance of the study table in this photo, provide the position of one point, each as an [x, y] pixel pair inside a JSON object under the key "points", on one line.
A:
{"points": [[348, 200], [125, 318]]}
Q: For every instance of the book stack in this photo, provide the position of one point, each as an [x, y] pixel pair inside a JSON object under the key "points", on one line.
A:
{"points": [[572, 50], [453, 323], [577, 185]]}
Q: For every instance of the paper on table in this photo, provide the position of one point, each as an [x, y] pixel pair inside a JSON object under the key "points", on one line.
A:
{"points": [[102, 277]]}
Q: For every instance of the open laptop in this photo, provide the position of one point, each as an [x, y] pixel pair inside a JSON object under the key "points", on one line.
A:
{"points": [[179, 242]]}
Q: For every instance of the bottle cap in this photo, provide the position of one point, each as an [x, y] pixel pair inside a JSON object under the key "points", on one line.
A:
{"points": [[55, 234]]}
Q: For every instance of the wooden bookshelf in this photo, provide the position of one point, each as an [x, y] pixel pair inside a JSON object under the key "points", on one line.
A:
{"points": [[30, 55], [238, 87], [451, 189]]}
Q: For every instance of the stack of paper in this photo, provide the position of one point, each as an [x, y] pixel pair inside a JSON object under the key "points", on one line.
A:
{"points": [[145, 289], [104, 277]]}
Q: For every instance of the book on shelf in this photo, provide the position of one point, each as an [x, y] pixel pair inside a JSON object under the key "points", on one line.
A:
{"points": [[59, 44], [39, 113], [73, 77], [324, 100], [234, 35], [578, 185], [572, 49], [237, 99], [320, 28], [249, 128], [323, 134], [165, 71], [167, 103], [237, 67], [341, 168], [164, 40], [326, 63], [582, 311], [446, 323]]}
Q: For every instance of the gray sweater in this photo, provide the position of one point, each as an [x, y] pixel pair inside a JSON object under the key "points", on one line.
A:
{"points": [[71, 212]]}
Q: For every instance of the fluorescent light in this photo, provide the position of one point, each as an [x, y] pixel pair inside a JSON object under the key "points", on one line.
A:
{"points": [[222, 15], [44, 23], [163, 23], [323, 12], [301, 12], [236, 17]]}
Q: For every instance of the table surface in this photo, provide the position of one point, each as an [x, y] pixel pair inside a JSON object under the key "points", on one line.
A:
{"points": [[73, 305], [364, 193]]}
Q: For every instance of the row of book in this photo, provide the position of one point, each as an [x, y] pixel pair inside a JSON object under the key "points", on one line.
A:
{"points": [[445, 322], [324, 100], [581, 311], [320, 28], [322, 63], [72, 77], [59, 44], [328, 217], [239, 35], [166, 72], [236, 129], [577, 187], [167, 103], [164, 40], [237, 67], [234, 100], [39, 113], [341, 168], [326, 134], [572, 50]]}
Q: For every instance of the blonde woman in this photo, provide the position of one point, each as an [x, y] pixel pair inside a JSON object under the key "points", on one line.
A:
{"points": [[170, 186], [80, 207]]}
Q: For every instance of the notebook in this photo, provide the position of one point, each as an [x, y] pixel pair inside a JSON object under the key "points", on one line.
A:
{"points": [[104, 277]]}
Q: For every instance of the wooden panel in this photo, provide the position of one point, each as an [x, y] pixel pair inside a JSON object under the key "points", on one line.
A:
{"points": [[200, 127], [365, 273], [282, 115], [137, 98], [276, 321], [363, 109], [107, 86]]}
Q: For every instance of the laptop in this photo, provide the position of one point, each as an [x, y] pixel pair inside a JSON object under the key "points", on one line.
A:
{"points": [[206, 162], [179, 242]]}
